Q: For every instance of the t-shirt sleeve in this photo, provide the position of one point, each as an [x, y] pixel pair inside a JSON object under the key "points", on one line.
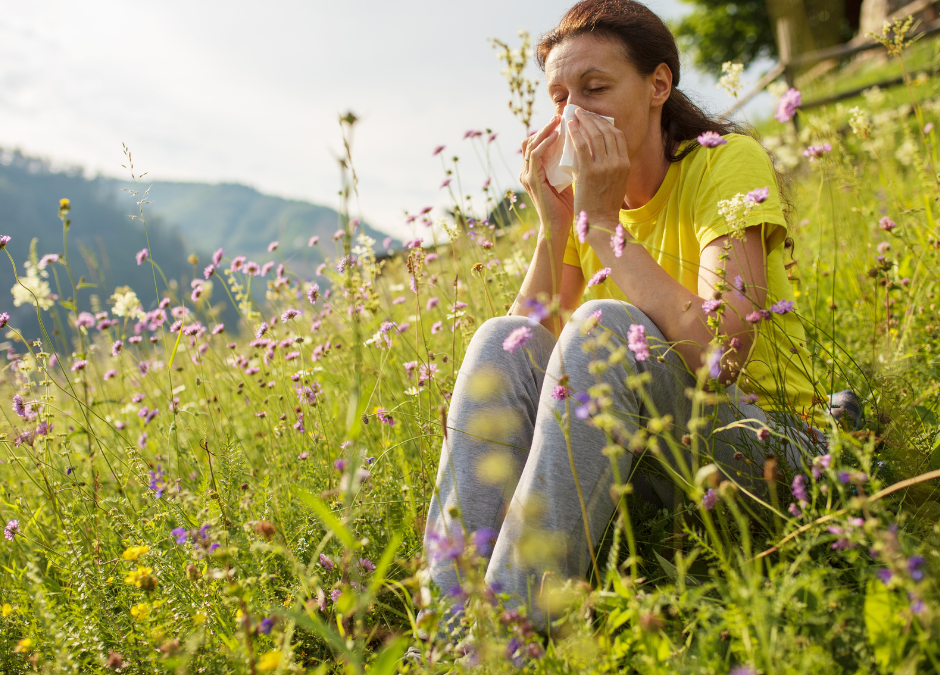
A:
{"points": [[737, 168], [572, 257]]}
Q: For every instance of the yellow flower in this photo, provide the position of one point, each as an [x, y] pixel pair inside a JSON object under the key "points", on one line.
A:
{"points": [[199, 618], [64, 203], [270, 661], [141, 611], [134, 552], [136, 577], [109, 580], [22, 646], [7, 609]]}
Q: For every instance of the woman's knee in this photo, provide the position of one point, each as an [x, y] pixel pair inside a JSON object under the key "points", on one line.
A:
{"points": [[490, 339]]}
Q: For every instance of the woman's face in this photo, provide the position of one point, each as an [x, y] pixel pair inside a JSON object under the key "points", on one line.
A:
{"points": [[593, 73]]}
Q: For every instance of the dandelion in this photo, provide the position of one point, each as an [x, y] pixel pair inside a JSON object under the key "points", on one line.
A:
{"points": [[782, 307], [710, 499], [711, 139], [787, 105], [814, 152], [637, 342], [599, 277], [887, 224], [581, 226], [142, 255], [13, 526], [517, 338], [617, 241]]}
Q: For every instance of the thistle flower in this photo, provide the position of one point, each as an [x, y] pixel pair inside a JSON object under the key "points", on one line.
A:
{"points": [[581, 226], [711, 139], [637, 342], [517, 338], [599, 277], [142, 255]]}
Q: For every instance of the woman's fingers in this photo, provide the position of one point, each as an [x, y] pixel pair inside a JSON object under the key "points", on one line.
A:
{"points": [[590, 123]]}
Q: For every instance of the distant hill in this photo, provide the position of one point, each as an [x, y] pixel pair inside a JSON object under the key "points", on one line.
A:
{"points": [[244, 221]]}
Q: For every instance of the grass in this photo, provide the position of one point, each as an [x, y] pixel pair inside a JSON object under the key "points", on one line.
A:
{"points": [[268, 516]]}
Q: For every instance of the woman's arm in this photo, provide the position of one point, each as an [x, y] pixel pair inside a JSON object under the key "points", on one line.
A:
{"points": [[677, 311], [569, 284]]}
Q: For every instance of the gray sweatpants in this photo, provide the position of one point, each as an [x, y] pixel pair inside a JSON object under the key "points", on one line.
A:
{"points": [[507, 467]]}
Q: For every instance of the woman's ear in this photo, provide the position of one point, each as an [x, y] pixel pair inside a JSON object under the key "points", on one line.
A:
{"points": [[661, 82]]}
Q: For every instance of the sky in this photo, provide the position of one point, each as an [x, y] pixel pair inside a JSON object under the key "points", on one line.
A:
{"points": [[251, 92]]}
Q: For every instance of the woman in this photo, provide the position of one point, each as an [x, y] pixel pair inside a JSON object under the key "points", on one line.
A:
{"points": [[532, 458]]}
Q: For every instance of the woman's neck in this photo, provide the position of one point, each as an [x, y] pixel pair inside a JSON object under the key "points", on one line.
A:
{"points": [[647, 173]]}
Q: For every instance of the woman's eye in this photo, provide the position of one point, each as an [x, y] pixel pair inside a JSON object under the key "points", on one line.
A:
{"points": [[560, 100], [595, 90]]}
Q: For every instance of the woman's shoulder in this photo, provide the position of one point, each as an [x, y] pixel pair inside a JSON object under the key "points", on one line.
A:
{"points": [[739, 154]]}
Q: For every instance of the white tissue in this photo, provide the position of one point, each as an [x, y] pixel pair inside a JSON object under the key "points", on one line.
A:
{"points": [[560, 162]]}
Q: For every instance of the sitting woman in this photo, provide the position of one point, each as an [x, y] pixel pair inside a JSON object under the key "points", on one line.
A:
{"points": [[658, 278]]}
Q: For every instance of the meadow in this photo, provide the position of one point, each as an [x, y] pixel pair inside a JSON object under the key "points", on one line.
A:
{"points": [[183, 496]]}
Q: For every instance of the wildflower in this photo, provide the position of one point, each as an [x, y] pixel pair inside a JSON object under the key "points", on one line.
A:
{"points": [[887, 224], [749, 399], [787, 105], [13, 526], [326, 562], [432, 303], [885, 575], [142, 255], [4, 240], [303, 455], [269, 660], [782, 307], [859, 123], [134, 552], [711, 139], [560, 392], [180, 534], [795, 510], [798, 489], [581, 226], [814, 152], [262, 329], [18, 406], [4, 319], [289, 314], [445, 183], [79, 365], [914, 564], [713, 361], [252, 268], [340, 464], [414, 243], [591, 322], [313, 293], [428, 371], [265, 268], [437, 327], [753, 317], [339, 234], [273, 246], [366, 564], [157, 482], [48, 259], [517, 338], [758, 195], [819, 464], [730, 81], [438, 150], [763, 434], [710, 499], [617, 241], [637, 342], [139, 577], [109, 374], [599, 277], [443, 547], [537, 311], [710, 306]]}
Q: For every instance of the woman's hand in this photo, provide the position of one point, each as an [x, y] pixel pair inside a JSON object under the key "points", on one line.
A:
{"points": [[603, 168], [555, 209]]}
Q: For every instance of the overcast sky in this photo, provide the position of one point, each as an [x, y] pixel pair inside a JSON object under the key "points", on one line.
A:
{"points": [[213, 91]]}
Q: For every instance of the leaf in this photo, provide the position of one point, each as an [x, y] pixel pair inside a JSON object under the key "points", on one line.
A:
{"points": [[323, 512], [317, 627], [926, 415], [673, 573], [378, 577], [386, 663], [175, 347], [884, 624]]}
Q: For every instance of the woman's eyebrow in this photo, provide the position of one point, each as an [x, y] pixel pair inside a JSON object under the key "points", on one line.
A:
{"points": [[587, 72]]}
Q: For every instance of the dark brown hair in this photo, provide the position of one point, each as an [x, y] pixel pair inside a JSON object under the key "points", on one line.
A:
{"points": [[647, 42]]}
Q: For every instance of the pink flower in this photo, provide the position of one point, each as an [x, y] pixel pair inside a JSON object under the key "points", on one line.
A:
{"points": [[209, 271], [237, 263], [339, 234], [637, 342], [617, 241], [79, 365], [710, 499], [273, 246], [710, 306], [560, 392], [581, 226], [787, 105], [445, 183], [217, 257], [141, 256], [436, 327], [711, 139], [517, 338], [109, 374], [313, 293], [116, 347], [48, 259], [591, 322], [438, 150], [432, 303], [600, 277], [763, 434], [758, 195], [753, 317], [814, 152], [887, 224]]}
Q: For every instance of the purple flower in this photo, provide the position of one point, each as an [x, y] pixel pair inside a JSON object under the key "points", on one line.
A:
{"points": [[384, 417], [326, 563], [745, 670], [887, 224], [710, 499], [560, 392], [749, 399], [313, 293], [537, 311], [814, 152], [209, 271], [758, 195], [217, 257], [617, 241], [267, 623], [445, 183], [581, 226], [157, 482], [218, 328], [13, 526], [713, 361], [710, 306], [885, 575], [109, 374], [518, 338], [914, 564], [180, 534], [819, 464], [782, 307], [262, 329], [4, 319], [443, 547], [4, 240], [289, 314], [484, 539], [637, 342], [340, 464], [116, 347], [18, 406], [142, 255], [335, 594], [438, 150], [366, 564], [787, 105], [79, 365], [583, 410], [432, 303], [599, 277], [798, 489], [711, 139]]}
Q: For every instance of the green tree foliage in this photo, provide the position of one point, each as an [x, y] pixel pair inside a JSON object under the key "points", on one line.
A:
{"points": [[718, 31]]}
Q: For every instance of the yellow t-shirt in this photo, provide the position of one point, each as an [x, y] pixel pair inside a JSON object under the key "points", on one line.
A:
{"points": [[681, 219]]}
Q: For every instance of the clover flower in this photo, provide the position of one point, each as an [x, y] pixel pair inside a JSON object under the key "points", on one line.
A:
{"points": [[787, 105], [599, 277], [711, 139], [516, 339], [637, 342]]}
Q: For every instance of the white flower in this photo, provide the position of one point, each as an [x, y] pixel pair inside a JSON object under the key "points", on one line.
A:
{"points": [[731, 80], [33, 288], [126, 303], [859, 123], [414, 391], [735, 212]]}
